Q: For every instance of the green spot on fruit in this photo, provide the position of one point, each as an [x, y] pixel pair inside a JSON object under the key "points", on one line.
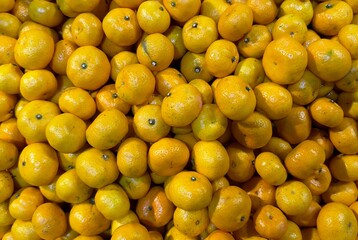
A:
{"points": [[127, 18], [38, 116], [197, 69], [193, 179], [329, 5], [151, 121], [105, 157], [84, 65]]}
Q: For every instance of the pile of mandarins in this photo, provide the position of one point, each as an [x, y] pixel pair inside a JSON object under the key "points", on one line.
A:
{"points": [[179, 119]]}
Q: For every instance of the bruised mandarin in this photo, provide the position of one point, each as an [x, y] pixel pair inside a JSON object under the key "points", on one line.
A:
{"points": [[97, 168], [342, 192], [305, 90], [155, 51], [319, 181], [72, 100], [293, 197], [254, 131], [107, 129], [213, 8], [87, 30], [345, 136], [120, 25], [326, 112], [303, 9], [45, 13], [330, 16], [221, 58], [261, 192], [9, 154], [322, 138], [24, 202], [308, 218], [211, 159], [155, 209], [107, 97], [235, 21], [328, 59], [34, 160], [149, 124], [344, 167], [235, 98], [270, 222], [49, 220], [189, 190], [192, 66], [135, 84], [230, 208], [198, 33], [153, 17], [132, 158], [181, 105], [210, 124], [71, 189], [182, 11], [112, 201], [167, 79], [191, 223], [295, 127], [241, 162], [7, 45], [34, 49], [270, 168], [290, 25], [330, 224], [136, 187], [86, 219], [304, 159], [264, 11], [278, 146], [131, 231], [254, 42], [168, 156], [66, 133], [273, 100], [284, 60]]}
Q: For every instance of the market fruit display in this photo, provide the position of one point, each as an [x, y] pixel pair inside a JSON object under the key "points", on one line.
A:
{"points": [[179, 119]]}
